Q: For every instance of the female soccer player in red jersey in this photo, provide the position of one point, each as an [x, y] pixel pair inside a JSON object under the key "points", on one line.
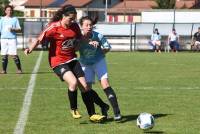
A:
{"points": [[62, 34]]}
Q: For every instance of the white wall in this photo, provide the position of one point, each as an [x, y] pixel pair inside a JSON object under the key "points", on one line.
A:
{"points": [[168, 16]]}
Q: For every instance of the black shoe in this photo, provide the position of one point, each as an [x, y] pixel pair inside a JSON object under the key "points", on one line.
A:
{"points": [[104, 110]]}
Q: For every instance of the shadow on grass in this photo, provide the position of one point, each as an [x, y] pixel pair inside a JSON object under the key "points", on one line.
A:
{"points": [[154, 132], [127, 118], [29, 73], [130, 118]]}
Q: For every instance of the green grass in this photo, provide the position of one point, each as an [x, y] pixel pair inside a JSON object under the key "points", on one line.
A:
{"points": [[166, 85]]}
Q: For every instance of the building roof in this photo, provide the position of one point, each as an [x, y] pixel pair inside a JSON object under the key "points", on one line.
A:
{"points": [[132, 6], [185, 4], [56, 3], [17, 2], [38, 3], [136, 6], [77, 3]]}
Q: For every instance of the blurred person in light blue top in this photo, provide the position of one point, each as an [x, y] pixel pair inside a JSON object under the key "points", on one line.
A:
{"points": [[93, 48], [156, 40], [9, 25]]}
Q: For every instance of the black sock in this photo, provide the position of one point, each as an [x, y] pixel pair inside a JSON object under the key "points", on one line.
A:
{"points": [[4, 62], [97, 99], [72, 99], [88, 101], [113, 99], [17, 62]]}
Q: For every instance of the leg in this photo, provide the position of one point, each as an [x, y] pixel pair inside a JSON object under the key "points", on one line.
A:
{"points": [[18, 63], [177, 46], [87, 95], [4, 53], [101, 71], [99, 101], [112, 98], [158, 43], [72, 92], [12, 51], [4, 63], [90, 78]]}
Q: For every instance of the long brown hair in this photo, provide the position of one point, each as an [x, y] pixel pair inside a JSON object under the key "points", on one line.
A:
{"points": [[65, 10]]}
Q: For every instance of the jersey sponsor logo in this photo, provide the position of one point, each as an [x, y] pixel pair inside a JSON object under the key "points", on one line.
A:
{"points": [[62, 70], [68, 44], [61, 36]]}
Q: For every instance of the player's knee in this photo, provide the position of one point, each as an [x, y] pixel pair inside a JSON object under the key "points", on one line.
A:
{"points": [[73, 84], [105, 83]]}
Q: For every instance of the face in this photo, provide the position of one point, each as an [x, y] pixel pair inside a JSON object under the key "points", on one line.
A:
{"points": [[199, 30], [8, 11], [87, 26], [68, 20]]}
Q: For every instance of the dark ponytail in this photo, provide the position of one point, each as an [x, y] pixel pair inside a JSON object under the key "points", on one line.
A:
{"points": [[65, 10], [57, 16]]}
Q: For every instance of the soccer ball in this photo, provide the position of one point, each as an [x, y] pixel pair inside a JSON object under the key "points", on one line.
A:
{"points": [[145, 121]]}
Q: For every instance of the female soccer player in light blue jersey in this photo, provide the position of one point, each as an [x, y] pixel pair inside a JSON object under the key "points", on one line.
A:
{"points": [[9, 25], [92, 59]]}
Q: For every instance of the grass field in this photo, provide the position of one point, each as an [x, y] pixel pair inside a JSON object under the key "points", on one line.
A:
{"points": [[166, 85]]}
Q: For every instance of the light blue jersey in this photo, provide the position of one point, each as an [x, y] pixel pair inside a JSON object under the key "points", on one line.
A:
{"points": [[5, 24], [90, 55], [155, 37]]}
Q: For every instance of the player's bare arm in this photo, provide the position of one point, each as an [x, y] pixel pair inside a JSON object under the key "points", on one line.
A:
{"points": [[30, 49]]}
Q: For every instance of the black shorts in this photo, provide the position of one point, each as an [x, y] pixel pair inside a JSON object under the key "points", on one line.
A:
{"points": [[73, 66]]}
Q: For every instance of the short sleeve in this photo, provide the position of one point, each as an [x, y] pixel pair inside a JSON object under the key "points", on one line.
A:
{"points": [[0, 25], [104, 41], [45, 34], [17, 26]]}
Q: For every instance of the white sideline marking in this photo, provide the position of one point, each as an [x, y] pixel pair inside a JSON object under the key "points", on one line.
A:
{"points": [[19, 128]]}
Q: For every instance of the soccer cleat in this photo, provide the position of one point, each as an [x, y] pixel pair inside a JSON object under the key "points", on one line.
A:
{"points": [[19, 72], [3, 72], [75, 114], [117, 117], [97, 118], [104, 110]]}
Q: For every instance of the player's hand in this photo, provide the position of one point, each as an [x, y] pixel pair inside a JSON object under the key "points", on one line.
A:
{"points": [[12, 30], [27, 51], [94, 43]]}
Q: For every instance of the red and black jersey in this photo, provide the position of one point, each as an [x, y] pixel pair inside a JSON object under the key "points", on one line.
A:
{"points": [[62, 42]]}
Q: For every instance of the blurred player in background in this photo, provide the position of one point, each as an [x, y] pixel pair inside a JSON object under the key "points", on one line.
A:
{"points": [[156, 40], [63, 34], [92, 59], [173, 40], [9, 25], [196, 40]]}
